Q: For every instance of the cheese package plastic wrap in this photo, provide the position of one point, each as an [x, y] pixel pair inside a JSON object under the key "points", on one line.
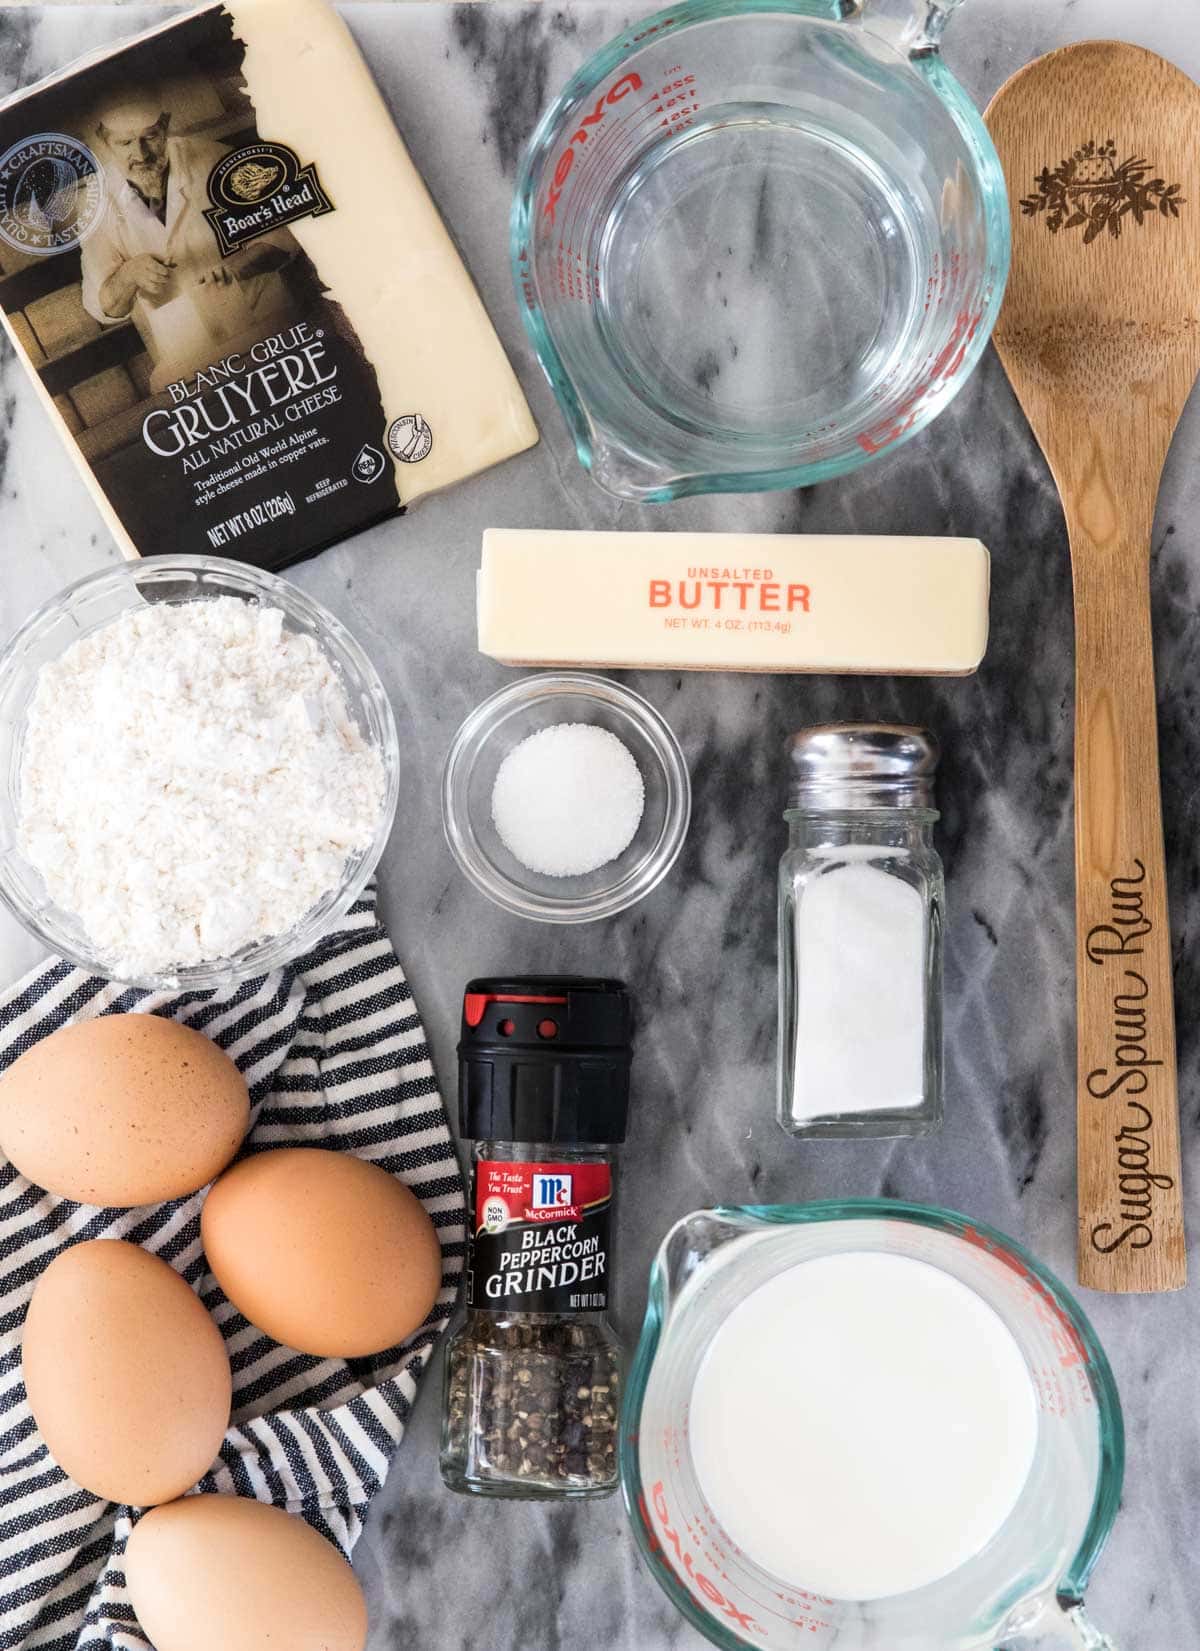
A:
{"points": [[734, 601], [235, 294]]}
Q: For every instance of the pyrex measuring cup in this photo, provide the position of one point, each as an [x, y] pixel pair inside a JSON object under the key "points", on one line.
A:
{"points": [[1023, 1590], [756, 242]]}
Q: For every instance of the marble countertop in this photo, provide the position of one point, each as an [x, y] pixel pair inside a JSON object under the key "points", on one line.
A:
{"points": [[466, 84]]}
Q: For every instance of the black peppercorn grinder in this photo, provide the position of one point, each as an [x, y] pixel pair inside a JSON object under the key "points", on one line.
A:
{"points": [[533, 1374]]}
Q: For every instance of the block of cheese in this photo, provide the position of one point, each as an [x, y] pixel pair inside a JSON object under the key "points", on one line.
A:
{"points": [[226, 201], [103, 397], [734, 602], [24, 335], [60, 321]]}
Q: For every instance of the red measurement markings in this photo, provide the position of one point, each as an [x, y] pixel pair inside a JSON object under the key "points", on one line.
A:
{"points": [[604, 141], [680, 95], [658, 28], [1068, 1343], [700, 1583], [528, 290], [607, 159], [799, 1609], [944, 365], [668, 100], [678, 101], [672, 105], [935, 285], [599, 149], [592, 118]]}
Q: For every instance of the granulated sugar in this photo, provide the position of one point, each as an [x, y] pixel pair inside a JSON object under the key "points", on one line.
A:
{"points": [[860, 962], [192, 782], [568, 799]]}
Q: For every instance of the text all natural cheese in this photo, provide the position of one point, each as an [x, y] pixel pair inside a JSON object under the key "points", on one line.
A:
{"points": [[235, 293], [734, 601]]}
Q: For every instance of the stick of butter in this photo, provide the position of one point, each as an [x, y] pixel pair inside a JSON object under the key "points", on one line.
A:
{"points": [[734, 602], [234, 293]]}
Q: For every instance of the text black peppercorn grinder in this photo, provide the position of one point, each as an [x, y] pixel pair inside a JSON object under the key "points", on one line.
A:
{"points": [[533, 1375]]}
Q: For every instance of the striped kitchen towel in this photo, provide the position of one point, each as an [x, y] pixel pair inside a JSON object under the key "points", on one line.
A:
{"points": [[334, 1053]]}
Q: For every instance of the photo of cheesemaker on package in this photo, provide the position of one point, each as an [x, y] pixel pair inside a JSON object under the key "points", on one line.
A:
{"points": [[205, 280]]}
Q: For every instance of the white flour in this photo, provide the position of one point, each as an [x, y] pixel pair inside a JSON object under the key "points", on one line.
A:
{"points": [[192, 782]]}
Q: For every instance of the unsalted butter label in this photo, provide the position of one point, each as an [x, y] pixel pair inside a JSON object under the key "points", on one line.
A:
{"points": [[728, 590], [734, 601], [207, 290]]}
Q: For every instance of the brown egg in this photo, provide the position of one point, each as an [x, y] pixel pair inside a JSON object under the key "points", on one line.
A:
{"points": [[323, 1251], [123, 1110], [224, 1572], [127, 1375]]}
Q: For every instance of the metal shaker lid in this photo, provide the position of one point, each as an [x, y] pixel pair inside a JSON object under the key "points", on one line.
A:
{"points": [[852, 765]]}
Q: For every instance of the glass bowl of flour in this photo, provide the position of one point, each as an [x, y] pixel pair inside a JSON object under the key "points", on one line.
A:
{"points": [[200, 771]]}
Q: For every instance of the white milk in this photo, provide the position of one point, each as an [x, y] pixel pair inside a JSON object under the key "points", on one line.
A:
{"points": [[862, 1425]]}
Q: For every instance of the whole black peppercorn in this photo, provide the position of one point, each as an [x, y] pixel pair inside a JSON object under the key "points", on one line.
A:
{"points": [[533, 1376]]}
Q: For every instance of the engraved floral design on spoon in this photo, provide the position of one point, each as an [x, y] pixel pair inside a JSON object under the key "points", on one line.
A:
{"points": [[1091, 190]]}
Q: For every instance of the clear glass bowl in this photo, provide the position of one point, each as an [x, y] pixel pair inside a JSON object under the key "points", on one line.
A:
{"points": [[757, 242], [498, 725], [1023, 1589], [96, 601]]}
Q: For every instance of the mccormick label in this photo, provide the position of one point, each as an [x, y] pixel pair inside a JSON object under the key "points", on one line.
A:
{"points": [[540, 1243]]}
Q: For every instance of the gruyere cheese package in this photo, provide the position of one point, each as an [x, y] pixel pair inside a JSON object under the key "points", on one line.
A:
{"points": [[235, 294], [734, 601]]}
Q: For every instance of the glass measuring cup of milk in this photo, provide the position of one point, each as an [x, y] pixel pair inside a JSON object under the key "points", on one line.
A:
{"points": [[756, 242], [1010, 1332]]}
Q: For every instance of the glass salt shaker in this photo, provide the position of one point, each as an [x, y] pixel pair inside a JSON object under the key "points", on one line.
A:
{"points": [[861, 900], [533, 1375]]}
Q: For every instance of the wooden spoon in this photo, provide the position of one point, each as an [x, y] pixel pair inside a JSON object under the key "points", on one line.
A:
{"points": [[1100, 336]]}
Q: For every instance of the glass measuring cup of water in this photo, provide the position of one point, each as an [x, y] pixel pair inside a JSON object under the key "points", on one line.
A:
{"points": [[1023, 1590], [756, 242]]}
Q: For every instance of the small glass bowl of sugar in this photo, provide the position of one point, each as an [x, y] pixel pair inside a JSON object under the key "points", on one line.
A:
{"points": [[565, 797]]}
